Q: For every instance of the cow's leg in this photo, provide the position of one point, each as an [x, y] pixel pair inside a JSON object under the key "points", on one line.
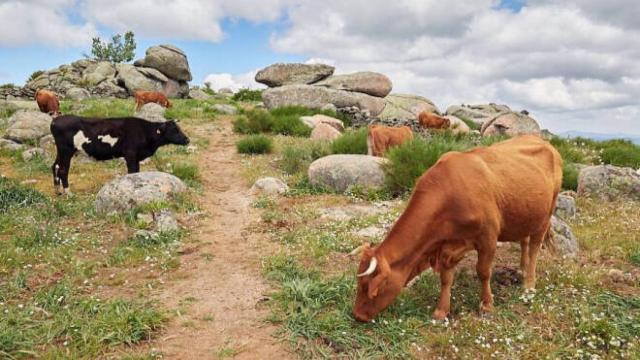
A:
{"points": [[535, 243], [55, 168], [524, 255], [63, 171], [483, 268], [133, 165], [444, 304]]}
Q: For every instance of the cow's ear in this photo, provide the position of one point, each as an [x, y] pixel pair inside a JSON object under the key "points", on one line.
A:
{"points": [[379, 280]]}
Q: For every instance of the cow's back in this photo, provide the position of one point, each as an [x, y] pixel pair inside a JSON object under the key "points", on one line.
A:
{"points": [[512, 184]]}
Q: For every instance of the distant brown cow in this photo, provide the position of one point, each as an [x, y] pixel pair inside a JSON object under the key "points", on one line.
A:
{"points": [[466, 201], [145, 97], [430, 120], [381, 138], [48, 102]]}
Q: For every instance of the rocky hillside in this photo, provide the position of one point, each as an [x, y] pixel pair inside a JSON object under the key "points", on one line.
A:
{"points": [[366, 98], [164, 68]]}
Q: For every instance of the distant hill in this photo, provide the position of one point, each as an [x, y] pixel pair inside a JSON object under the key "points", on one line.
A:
{"points": [[597, 136]]}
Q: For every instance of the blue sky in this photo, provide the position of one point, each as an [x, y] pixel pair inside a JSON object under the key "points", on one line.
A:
{"points": [[245, 47], [574, 65]]}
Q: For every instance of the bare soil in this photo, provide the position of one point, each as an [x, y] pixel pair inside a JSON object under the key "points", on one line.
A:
{"points": [[218, 292]]}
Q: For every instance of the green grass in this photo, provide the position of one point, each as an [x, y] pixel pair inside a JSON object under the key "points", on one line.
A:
{"points": [[247, 95], [15, 195], [283, 121], [470, 123], [254, 144], [351, 142], [590, 152], [253, 122], [569, 176], [187, 172]]}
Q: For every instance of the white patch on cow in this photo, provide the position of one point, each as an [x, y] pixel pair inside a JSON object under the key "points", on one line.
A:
{"points": [[80, 139], [108, 139]]}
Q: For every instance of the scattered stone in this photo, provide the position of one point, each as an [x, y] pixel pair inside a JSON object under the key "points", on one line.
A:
{"points": [[129, 191], [324, 131], [341, 172], [565, 207], [146, 234], [616, 276], [289, 74], [166, 221], [152, 112], [28, 125], [47, 143], [199, 94], [10, 145], [405, 107], [609, 182], [145, 218], [225, 109], [269, 186], [366, 82], [565, 242], [312, 121], [329, 107], [316, 97], [511, 124], [30, 154]]}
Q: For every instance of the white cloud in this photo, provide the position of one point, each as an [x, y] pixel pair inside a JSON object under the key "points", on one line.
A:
{"points": [[580, 58], [233, 82], [41, 22]]}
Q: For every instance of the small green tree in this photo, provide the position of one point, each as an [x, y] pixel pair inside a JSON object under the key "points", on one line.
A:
{"points": [[116, 51]]}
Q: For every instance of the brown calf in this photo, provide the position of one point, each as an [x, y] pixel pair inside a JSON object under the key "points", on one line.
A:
{"points": [[381, 138], [466, 201], [430, 120], [48, 102], [144, 97]]}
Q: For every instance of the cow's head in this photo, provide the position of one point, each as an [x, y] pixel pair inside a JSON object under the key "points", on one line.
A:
{"points": [[378, 285], [172, 134]]}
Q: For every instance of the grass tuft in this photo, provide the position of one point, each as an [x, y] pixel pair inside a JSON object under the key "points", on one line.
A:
{"points": [[255, 144]]}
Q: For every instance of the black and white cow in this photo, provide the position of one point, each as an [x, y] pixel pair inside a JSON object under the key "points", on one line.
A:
{"points": [[132, 138]]}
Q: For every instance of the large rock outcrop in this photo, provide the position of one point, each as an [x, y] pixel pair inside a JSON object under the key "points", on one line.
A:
{"points": [[27, 126], [342, 172], [406, 107], [165, 68], [609, 182], [366, 82], [316, 97], [132, 190], [169, 60], [290, 74], [511, 124], [479, 114], [564, 241]]}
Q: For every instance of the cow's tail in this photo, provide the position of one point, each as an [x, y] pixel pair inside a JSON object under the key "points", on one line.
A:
{"points": [[549, 239], [370, 142]]}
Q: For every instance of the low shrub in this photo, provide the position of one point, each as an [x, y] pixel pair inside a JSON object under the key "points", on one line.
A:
{"points": [[410, 160], [290, 125], [253, 122], [620, 153], [570, 176], [297, 158], [351, 142], [470, 123], [13, 195], [186, 171], [255, 144], [247, 95]]}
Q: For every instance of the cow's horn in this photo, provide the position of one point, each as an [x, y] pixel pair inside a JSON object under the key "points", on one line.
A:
{"points": [[357, 250], [372, 267]]}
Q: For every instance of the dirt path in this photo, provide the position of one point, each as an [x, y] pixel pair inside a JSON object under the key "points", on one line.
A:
{"points": [[219, 284]]}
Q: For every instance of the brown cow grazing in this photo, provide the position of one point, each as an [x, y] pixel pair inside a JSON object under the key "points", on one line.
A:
{"points": [[466, 201], [381, 138], [145, 97], [430, 120], [48, 102]]}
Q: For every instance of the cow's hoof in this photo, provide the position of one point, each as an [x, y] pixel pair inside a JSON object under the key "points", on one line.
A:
{"points": [[486, 310], [439, 315], [67, 193]]}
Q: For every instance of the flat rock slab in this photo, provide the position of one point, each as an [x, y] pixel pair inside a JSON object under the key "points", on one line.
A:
{"points": [[341, 172]]}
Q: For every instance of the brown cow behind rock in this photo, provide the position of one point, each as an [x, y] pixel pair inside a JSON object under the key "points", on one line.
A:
{"points": [[48, 102], [381, 138], [145, 97], [466, 201], [430, 120]]}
